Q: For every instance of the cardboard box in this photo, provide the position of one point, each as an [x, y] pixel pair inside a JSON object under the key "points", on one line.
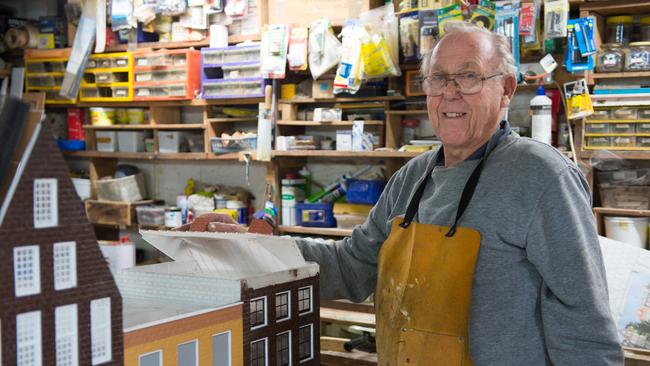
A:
{"points": [[106, 141], [322, 89]]}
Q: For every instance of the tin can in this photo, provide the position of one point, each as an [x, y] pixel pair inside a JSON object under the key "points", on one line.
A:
{"points": [[173, 217]]}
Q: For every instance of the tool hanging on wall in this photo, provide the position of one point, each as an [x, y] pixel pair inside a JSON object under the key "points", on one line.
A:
{"points": [[265, 127]]}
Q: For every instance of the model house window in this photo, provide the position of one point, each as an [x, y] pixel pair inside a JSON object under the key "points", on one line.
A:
{"points": [[221, 349], [258, 353], [65, 265], [46, 205], [27, 270], [65, 327], [187, 354], [305, 343], [282, 306], [258, 312], [150, 359], [283, 349], [304, 300], [100, 330], [28, 339]]}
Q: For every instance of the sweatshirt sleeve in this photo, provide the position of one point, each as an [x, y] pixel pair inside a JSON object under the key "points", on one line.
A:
{"points": [[562, 244], [348, 267]]}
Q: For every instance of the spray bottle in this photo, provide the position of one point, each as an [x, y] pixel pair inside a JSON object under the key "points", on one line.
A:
{"points": [[542, 120]]}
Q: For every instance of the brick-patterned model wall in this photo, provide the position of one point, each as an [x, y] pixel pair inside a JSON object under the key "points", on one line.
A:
{"points": [[94, 280], [272, 328]]}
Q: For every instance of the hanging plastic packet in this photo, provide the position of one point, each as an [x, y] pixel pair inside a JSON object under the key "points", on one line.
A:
{"points": [[583, 29], [171, 7], [348, 74], [275, 38], [507, 24], [122, 15], [376, 58], [483, 15], [384, 21], [409, 36], [556, 14], [428, 31], [447, 14], [574, 61], [297, 55], [324, 48], [578, 101], [236, 8], [532, 40], [527, 18]]}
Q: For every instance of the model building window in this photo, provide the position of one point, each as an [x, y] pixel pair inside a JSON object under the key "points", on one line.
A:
{"points": [[150, 359], [283, 349], [100, 330], [258, 312], [221, 349], [187, 354], [305, 345], [27, 270], [258, 353], [46, 205], [304, 300], [65, 326], [65, 265], [28, 339], [282, 306]]}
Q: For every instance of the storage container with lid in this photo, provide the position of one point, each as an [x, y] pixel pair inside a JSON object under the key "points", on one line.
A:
{"points": [[611, 58], [623, 128], [598, 127], [624, 141], [619, 29], [624, 113], [643, 127], [638, 57], [600, 114], [599, 141], [643, 141], [644, 113]]}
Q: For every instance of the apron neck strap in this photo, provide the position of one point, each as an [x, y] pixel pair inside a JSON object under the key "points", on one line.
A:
{"points": [[468, 190]]}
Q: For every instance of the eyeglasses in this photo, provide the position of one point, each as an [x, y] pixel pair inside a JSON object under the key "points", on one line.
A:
{"points": [[467, 83]]}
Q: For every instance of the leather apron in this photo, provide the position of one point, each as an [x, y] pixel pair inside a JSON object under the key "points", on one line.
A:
{"points": [[424, 285]]}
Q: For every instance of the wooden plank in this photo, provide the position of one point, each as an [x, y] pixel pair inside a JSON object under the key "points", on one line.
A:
{"points": [[620, 7], [345, 317], [354, 358], [231, 120], [346, 154], [187, 44], [621, 212], [620, 75], [47, 53], [363, 307], [315, 230], [113, 212], [340, 100], [328, 124], [332, 344]]}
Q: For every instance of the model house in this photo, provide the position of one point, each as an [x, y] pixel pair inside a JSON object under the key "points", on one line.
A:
{"points": [[226, 299], [59, 304]]}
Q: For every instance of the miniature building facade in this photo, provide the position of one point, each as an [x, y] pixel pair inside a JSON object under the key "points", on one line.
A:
{"points": [[58, 301]]}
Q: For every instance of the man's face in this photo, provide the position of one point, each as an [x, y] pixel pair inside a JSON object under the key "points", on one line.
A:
{"points": [[461, 120]]}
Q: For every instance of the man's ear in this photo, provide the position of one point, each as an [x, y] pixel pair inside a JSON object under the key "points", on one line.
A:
{"points": [[509, 87]]}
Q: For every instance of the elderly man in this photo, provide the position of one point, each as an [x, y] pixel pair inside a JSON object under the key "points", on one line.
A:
{"points": [[484, 252]]}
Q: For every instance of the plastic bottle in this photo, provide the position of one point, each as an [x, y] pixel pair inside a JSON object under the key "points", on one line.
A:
{"points": [[542, 120], [292, 193]]}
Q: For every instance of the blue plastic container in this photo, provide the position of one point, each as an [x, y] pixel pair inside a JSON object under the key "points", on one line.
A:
{"points": [[316, 215], [365, 192], [71, 145]]}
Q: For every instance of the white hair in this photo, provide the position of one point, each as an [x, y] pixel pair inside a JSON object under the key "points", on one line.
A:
{"points": [[501, 46]]}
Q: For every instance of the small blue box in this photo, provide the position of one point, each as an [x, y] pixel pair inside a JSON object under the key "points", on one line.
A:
{"points": [[366, 192], [71, 145], [315, 214]]}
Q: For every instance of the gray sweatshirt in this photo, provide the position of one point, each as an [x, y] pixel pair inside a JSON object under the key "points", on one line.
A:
{"points": [[539, 291]]}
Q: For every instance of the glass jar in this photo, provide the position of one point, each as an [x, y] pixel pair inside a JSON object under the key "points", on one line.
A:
{"points": [[409, 130], [638, 57], [611, 58], [619, 29]]}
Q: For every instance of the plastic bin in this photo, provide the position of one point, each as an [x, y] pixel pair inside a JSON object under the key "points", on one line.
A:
{"points": [[315, 215], [624, 141], [364, 191], [150, 215], [624, 113], [106, 141], [598, 127], [629, 230], [82, 187], [623, 128], [226, 145], [600, 114], [130, 141], [127, 189], [170, 141], [71, 145], [643, 141], [643, 128], [599, 141]]}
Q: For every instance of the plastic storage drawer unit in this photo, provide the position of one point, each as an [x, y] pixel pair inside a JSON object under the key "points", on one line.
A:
{"points": [[167, 75], [315, 215], [599, 141], [598, 127]]}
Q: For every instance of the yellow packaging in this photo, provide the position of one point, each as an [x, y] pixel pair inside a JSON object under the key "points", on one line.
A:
{"points": [[228, 211], [377, 61], [102, 116], [135, 116], [288, 91], [45, 40], [122, 116], [351, 209]]}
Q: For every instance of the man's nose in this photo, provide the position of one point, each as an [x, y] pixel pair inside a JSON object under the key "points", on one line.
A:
{"points": [[451, 90]]}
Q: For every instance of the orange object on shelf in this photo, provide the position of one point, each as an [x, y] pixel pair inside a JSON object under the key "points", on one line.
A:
{"points": [[166, 74]]}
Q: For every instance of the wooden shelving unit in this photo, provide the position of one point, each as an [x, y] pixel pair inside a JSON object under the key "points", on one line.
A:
{"points": [[346, 154], [417, 112], [327, 124], [150, 156], [621, 75], [175, 126], [315, 231], [341, 100]]}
